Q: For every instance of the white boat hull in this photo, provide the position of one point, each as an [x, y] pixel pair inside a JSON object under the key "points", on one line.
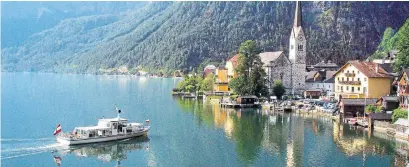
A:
{"points": [[66, 141]]}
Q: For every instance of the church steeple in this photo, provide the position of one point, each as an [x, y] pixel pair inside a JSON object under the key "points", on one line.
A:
{"points": [[298, 15]]}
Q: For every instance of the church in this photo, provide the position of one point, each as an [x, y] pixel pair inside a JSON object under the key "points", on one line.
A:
{"points": [[290, 70]]}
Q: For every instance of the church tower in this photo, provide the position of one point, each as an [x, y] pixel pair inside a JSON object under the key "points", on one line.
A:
{"points": [[298, 52]]}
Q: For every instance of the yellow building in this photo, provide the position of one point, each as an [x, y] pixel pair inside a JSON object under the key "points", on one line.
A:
{"points": [[225, 74], [358, 79], [221, 83]]}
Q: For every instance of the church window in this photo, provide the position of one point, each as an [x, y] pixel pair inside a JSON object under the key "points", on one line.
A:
{"points": [[300, 47]]}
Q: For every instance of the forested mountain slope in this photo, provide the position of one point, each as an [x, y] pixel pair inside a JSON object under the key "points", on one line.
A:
{"points": [[179, 35]]}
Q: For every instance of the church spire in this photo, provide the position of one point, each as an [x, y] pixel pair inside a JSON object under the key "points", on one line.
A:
{"points": [[298, 15]]}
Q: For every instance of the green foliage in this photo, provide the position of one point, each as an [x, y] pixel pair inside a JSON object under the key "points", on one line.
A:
{"points": [[278, 89], [372, 108], [251, 76], [402, 45], [190, 84], [207, 83], [399, 113], [180, 35]]}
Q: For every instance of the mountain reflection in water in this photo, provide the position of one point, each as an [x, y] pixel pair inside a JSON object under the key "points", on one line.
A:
{"points": [[296, 139], [106, 151]]}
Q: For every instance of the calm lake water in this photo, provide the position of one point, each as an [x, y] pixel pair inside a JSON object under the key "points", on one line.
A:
{"points": [[184, 133]]}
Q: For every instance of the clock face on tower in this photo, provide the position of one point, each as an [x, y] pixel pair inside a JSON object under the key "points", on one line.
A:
{"points": [[300, 38]]}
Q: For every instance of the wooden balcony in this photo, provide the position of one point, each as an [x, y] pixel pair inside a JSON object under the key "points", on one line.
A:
{"points": [[349, 74], [350, 82]]}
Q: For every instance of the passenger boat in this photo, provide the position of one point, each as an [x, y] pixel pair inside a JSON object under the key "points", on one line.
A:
{"points": [[107, 130]]}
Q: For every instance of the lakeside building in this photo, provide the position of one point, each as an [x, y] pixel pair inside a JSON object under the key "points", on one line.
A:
{"points": [[320, 81], [290, 70], [329, 66], [358, 79], [354, 107], [209, 69], [403, 89], [225, 74]]}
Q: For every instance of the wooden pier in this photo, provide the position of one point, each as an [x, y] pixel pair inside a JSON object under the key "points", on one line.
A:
{"points": [[231, 105]]}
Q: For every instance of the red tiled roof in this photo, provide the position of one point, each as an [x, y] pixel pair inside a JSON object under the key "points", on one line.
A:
{"points": [[234, 60], [367, 68]]}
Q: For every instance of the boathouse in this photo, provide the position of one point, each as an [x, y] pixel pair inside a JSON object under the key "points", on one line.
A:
{"points": [[354, 107], [246, 99]]}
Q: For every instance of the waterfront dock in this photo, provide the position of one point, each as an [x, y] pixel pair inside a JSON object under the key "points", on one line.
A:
{"points": [[235, 105]]}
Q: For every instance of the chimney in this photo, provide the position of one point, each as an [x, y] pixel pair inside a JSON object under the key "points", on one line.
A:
{"points": [[377, 68]]}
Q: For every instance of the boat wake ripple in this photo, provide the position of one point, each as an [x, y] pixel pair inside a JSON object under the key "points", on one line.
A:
{"points": [[14, 148]]}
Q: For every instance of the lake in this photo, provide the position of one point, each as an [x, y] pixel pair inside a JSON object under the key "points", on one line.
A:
{"points": [[183, 132]]}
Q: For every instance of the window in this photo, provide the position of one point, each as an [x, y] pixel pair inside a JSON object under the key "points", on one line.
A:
{"points": [[358, 79], [348, 71], [300, 47], [342, 78], [337, 87], [353, 72], [352, 89], [359, 89], [358, 72], [347, 87], [365, 79], [338, 78], [347, 79]]}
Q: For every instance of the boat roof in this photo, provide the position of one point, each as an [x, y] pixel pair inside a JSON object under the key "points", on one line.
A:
{"points": [[112, 119], [91, 128]]}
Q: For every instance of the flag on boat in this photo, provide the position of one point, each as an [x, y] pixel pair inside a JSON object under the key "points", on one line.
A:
{"points": [[57, 130]]}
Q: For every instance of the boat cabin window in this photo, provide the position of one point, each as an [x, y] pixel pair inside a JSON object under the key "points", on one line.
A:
{"points": [[115, 125]]}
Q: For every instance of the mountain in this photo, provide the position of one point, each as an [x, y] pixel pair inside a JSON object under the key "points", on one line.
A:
{"points": [[22, 19], [181, 35]]}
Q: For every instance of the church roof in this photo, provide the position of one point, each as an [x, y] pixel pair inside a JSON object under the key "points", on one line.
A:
{"points": [[298, 15], [268, 57]]}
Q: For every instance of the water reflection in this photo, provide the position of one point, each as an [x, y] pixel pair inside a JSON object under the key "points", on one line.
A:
{"points": [[296, 139], [106, 152]]}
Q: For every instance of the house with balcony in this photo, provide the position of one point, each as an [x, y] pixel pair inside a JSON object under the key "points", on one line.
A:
{"points": [[360, 79], [403, 88], [225, 74]]}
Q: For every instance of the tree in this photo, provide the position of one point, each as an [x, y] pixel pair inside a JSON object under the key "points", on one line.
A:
{"points": [[402, 45], [399, 113], [278, 89], [251, 77], [370, 108], [207, 83]]}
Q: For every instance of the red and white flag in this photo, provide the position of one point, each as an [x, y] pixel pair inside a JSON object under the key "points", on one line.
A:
{"points": [[57, 130]]}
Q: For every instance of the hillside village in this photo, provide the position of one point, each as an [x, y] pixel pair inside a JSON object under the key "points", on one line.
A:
{"points": [[366, 92]]}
